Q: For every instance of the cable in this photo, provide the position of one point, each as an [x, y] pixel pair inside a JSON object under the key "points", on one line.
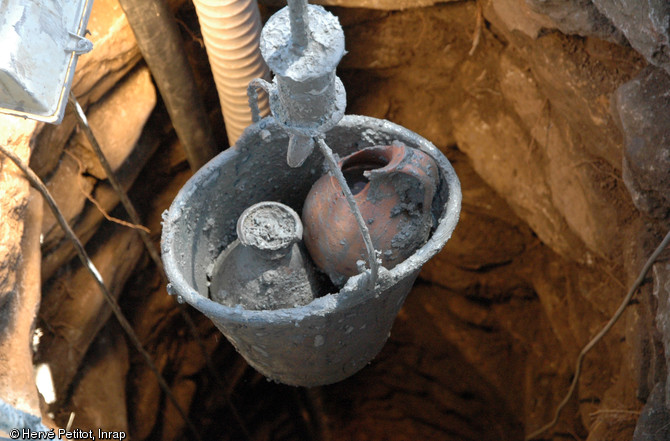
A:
{"points": [[36, 182], [123, 197], [153, 252], [578, 368]]}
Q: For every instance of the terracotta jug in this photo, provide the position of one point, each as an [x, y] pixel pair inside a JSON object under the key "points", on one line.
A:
{"points": [[393, 186]]}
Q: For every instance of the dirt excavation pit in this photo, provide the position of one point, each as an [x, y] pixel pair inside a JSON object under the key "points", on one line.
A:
{"points": [[549, 116]]}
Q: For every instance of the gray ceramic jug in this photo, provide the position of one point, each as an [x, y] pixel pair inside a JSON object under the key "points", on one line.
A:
{"points": [[266, 267]]}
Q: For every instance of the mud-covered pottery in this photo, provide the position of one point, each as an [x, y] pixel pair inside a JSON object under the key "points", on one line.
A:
{"points": [[336, 334], [266, 267], [393, 186]]}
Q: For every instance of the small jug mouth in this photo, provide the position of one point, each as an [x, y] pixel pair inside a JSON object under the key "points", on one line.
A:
{"points": [[356, 167], [270, 227]]}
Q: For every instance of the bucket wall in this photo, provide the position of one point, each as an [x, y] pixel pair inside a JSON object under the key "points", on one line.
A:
{"points": [[335, 335]]}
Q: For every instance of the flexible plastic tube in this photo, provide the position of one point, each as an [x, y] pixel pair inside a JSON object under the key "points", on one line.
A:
{"points": [[231, 30]]}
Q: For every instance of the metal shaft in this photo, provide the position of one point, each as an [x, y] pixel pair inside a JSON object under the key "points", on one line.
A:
{"points": [[299, 23]]}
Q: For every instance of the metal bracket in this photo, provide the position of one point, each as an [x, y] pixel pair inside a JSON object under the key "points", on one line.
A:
{"points": [[42, 40], [78, 44]]}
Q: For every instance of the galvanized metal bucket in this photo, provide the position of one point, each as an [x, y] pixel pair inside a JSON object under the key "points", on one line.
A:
{"points": [[336, 335]]}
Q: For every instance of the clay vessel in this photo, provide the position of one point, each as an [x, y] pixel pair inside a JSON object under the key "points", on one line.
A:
{"points": [[393, 186], [266, 267]]}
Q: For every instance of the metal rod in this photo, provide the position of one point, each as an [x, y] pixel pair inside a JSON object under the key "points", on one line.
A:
{"points": [[335, 170], [161, 45], [297, 10], [37, 183]]}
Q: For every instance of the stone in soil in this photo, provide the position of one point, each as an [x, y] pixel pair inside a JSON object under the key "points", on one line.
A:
{"points": [[643, 108]]}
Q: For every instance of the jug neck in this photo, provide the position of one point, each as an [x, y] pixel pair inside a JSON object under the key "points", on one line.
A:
{"points": [[269, 229]]}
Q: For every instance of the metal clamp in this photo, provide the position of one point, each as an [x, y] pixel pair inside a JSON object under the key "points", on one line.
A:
{"points": [[78, 44]]}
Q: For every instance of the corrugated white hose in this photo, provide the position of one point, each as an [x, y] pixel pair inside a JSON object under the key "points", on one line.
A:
{"points": [[231, 30]]}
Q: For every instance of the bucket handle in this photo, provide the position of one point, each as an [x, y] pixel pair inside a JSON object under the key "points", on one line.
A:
{"points": [[335, 170], [252, 94]]}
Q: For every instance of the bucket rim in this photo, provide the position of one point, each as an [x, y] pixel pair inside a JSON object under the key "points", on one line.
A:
{"points": [[354, 291]]}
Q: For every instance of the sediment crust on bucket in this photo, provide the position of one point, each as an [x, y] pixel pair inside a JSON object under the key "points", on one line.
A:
{"points": [[335, 335]]}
